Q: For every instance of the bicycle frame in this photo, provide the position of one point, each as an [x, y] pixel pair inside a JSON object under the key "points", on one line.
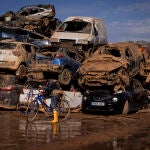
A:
{"points": [[40, 99], [33, 108]]}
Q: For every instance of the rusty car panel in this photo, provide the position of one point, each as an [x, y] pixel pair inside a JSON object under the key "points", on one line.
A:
{"points": [[112, 64]]}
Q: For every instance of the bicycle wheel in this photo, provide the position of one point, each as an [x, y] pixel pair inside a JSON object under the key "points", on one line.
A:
{"points": [[64, 110], [32, 110], [21, 109]]}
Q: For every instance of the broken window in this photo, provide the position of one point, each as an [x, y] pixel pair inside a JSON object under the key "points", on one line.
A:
{"points": [[76, 26], [7, 45], [113, 52], [33, 11]]}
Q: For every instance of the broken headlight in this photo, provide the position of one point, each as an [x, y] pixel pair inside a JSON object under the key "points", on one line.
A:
{"points": [[82, 41], [115, 99]]}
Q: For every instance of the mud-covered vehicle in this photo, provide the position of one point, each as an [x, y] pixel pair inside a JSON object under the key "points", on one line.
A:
{"points": [[112, 64], [39, 18], [81, 34], [15, 56], [59, 63], [23, 35]]}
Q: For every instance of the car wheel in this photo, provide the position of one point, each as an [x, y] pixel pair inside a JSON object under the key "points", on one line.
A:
{"points": [[145, 105], [46, 21], [29, 27], [125, 109], [21, 72], [65, 77]]}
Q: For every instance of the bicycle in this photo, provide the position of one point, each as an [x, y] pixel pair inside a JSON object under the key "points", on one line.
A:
{"points": [[22, 106], [39, 103], [30, 88]]}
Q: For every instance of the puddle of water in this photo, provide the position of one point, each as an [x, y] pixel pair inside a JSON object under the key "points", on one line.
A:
{"points": [[140, 141], [17, 134]]}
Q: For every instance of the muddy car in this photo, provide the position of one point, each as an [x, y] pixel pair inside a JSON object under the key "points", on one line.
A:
{"points": [[31, 13], [23, 35], [9, 91], [112, 64], [59, 62], [6, 17], [37, 12], [121, 102], [15, 56], [81, 34], [37, 18]]}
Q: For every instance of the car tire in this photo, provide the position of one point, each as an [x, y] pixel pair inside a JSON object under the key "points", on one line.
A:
{"points": [[29, 27], [125, 109], [84, 111], [65, 77], [145, 105], [45, 21], [21, 72]]}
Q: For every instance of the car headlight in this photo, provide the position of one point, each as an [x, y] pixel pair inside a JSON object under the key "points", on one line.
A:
{"points": [[82, 41], [115, 99], [84, 98], [87, 92]]}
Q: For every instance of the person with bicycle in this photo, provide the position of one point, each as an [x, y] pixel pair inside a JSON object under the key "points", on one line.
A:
{"points": [[53, 89]]}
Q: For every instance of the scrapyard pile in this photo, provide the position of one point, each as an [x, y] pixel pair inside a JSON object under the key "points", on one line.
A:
{"points": [[112, 64], [38, 18], [76, 54]]}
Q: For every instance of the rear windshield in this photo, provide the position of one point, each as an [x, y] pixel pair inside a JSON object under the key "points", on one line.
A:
{"points": [[76, 26], [7, 45]]}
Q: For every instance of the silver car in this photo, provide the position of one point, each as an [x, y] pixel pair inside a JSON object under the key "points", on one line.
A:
{"points": [[37, 12]]}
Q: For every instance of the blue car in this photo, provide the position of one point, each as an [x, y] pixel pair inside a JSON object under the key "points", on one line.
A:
{"points": [[58, 61]]}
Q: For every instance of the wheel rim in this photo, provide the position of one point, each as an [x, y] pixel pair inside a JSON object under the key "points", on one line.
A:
{"points": [[21, 72], [64, 110], [65, 77], [46, 21], [28, 27], [32, 110]]}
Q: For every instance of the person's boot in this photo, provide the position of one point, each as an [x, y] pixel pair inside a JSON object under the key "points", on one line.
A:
{"points": [[55, 113]]}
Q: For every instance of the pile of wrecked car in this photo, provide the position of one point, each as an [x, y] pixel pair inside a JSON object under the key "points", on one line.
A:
{"points": [[36, 46], [38, 18]]}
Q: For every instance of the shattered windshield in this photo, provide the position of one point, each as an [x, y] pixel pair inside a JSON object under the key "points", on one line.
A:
{"points": [[7, 45], [76, 26], [110, 51]]}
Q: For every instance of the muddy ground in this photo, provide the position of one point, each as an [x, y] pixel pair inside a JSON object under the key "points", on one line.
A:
{"points": [[80, 132]]}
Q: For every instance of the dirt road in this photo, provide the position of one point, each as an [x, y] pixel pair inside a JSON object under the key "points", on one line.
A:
{"points": [[80, 132]]}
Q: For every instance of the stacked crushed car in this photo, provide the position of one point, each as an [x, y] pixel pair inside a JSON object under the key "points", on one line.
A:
{"points": [[38, 18], [36, 46]]}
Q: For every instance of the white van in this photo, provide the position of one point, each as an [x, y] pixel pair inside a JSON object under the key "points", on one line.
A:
{"points": [[81, 33]]}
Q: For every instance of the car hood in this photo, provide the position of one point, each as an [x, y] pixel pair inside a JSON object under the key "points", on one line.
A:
{"points": [[41, 57], [102, 63], [69, 35]]}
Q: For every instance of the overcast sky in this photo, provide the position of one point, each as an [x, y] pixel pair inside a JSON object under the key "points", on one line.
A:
{"points": [[125, 19]]}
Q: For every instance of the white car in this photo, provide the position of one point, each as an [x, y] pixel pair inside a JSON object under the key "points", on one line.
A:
{"points": [[15, 56], [37, 12]]}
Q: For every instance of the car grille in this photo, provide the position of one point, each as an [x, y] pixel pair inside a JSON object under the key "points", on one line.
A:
{"points": [[97, 98]]}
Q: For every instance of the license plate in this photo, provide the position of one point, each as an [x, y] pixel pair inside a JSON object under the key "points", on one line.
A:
{"points": [[97, 103]]}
